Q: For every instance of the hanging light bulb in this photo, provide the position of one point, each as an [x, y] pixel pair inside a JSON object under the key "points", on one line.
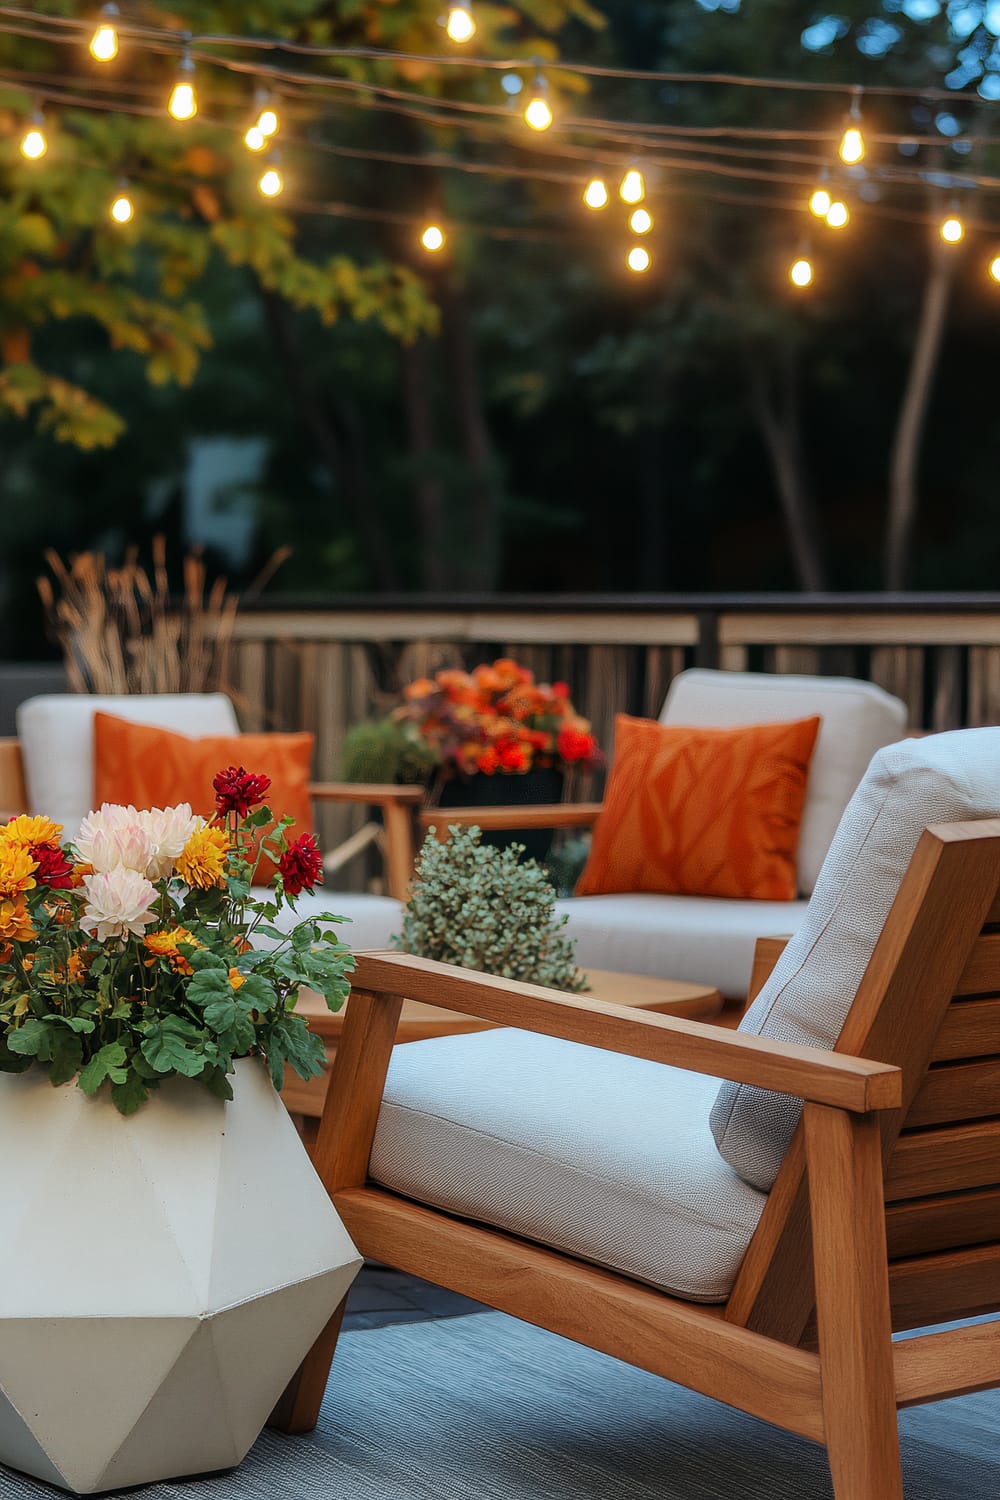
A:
{"points": [[460, 25], [952, 230], [838, 215], [255, 139], [596, 194], [638, 259], [183, 103], [33, 143], [820, 203], [852, 142], [271, 183], [538, 111], [122, 208], [800, 272], [432, 238], [104, 42], [995, 268], [633, 186], [641, 221]]}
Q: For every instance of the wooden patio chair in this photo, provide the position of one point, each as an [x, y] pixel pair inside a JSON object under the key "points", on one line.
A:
{"points": [[884, 1212]]}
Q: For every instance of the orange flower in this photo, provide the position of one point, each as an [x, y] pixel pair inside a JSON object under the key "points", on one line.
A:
{"points": [[202, 861], [422, 688], [236, 978], [164, 944], [15, 920], [17, 870], [28, 830]]}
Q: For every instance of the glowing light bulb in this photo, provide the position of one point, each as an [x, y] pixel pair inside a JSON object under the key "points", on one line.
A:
{"points": [[460, 25], [271, 183], [820, 203], [952, 230], [122, 209], [596, 195], [633, 186], [104, 42], [995, 268], [801, 272], [183, 103], [267, 121], [838, 215], [538, 113], [432, 238], [255, 139], [33, 142], [641, 222], [638, 259], [852, 146]]}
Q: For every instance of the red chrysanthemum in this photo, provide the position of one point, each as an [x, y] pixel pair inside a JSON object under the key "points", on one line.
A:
{"points": [[237, 790], [576, 745], [301, 865], [54, 869]]}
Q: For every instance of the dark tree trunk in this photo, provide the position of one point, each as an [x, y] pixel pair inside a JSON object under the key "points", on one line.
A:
{"points": [[905, 456], [339, 441]]}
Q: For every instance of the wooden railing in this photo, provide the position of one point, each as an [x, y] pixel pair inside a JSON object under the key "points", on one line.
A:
{"points": [[323, 668]]}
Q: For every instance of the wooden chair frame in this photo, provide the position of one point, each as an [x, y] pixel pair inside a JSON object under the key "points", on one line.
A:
{"points": [[865, 1230]]}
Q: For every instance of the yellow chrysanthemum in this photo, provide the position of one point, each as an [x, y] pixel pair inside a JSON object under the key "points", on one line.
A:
{"points": [[27, 830], [202, 861], [15, 920], [236, 978], [17, 870], [164, 944]]}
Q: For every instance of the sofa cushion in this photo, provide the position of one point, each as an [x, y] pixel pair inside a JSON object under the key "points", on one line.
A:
{"points": [[606, 1157], [56, 732], [371, 921], [858, 718], [702, 812], [698, 938], [944, 778]]}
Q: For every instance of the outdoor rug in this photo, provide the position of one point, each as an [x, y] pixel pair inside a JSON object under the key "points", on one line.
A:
{"points": [[486, 1406]]}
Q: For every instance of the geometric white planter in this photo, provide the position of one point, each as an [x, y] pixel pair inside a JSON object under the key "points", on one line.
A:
{"points": [[161, 1277]]}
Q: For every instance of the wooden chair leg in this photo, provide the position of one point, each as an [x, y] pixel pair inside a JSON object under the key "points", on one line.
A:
{"points": [[298, 1408], [852, 1303]]}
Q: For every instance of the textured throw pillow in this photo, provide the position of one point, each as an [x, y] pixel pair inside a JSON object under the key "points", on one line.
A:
{"points": [[702, 812], [149, 767]]}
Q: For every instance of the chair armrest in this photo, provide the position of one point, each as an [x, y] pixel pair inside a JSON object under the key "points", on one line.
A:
{"points": [[808, 1073], [374, 793], [396, 804], [767, 951], [491, 819]]}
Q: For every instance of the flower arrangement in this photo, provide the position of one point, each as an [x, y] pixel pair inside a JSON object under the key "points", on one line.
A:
{"points": [[128, 956], [497, 718]]}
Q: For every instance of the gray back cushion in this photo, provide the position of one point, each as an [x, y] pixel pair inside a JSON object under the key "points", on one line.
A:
{"points": [[943, 778]]}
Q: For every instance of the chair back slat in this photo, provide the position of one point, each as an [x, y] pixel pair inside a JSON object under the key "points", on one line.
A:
{"points": [[971, 1028], [921, 1226], [981, 975], [940, 1161], [932, 1289], [953, 1091]]}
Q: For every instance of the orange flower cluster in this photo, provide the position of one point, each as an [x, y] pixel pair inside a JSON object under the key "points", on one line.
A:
{"points": [[497, 718]]}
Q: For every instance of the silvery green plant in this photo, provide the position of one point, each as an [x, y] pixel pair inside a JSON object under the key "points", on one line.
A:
{"points": [[487, 909]]}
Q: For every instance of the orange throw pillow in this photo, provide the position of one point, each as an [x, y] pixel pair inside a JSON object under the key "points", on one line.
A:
{"points": [[702, 812], [149, 767]]}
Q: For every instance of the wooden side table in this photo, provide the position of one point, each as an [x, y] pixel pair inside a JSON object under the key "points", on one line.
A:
{"points": [[671, 997]]}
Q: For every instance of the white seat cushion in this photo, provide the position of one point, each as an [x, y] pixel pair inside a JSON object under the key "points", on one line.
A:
{"points": [[608, 1158], [56, 732], [858, 719], [372, 921], [702, 939], [944, 778]]}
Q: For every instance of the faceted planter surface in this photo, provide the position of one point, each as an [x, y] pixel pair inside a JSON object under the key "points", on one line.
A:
{"points": [[161, 1277]]}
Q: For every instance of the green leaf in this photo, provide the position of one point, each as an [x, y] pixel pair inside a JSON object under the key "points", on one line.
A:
{"points": [[32, 1039], [129, 1094], [210, 988], [221, 1012], [173, 1045], [75, 1023], [9, 1061], [217, 1083], [67, 1056], [108, 1063], [203, 959]]}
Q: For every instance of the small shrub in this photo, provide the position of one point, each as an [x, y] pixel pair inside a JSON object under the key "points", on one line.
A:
{"points": [[385, 751], [484, 908]]}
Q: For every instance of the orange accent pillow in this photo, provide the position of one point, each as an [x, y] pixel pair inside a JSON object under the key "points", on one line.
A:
{"points": [[150, 767], [702, 812]]}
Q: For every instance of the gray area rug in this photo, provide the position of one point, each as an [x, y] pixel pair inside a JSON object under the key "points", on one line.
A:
{"points": [[486, 1406]]}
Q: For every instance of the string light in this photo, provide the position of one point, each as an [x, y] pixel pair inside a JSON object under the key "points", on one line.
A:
{"points": [[838, 215], [952, 230], [800, 273], [638, 259], [995, 268], [270, 183], [183, 103], [633, 187], [460, 25], [432, 238], [641, 221], [538, 112], [255, 139], [820, 203], [122, 208], [852, 142], [104, 42], [33, 143], [596, 193]]}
